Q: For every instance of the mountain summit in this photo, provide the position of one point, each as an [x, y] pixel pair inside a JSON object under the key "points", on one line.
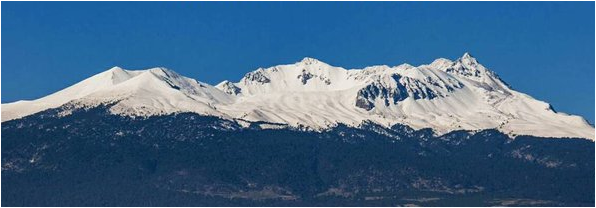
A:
{"points": [[445, 96]]}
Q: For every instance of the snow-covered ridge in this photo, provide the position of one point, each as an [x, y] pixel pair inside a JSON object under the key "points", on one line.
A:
{"points": [[444, 95]]}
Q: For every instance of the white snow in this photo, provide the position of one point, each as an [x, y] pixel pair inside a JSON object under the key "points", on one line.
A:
{"points": [[444, 95], [138, 93]]}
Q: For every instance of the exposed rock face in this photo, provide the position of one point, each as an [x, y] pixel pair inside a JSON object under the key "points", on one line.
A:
{"points": [[388, 94], [305, 76], [399, 88], [229, 88], [256, 76]]}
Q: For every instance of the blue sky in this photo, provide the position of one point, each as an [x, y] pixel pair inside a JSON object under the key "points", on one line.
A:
{"points": [[545, 49]]}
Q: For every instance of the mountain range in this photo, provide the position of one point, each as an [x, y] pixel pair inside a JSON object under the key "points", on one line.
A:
{"points": [[444, 95], [449, 133]]}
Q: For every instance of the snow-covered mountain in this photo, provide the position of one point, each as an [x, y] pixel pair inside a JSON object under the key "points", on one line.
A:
{"points": [[444, 95]]}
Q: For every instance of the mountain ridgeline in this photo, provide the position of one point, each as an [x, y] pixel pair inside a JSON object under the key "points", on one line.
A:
{"points": [[444, 95]]}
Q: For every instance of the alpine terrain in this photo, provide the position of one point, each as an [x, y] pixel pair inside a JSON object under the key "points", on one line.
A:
{"points": [[448, 133]]}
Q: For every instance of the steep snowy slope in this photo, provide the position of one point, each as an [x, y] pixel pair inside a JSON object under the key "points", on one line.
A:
{"points": [[444, 95]]}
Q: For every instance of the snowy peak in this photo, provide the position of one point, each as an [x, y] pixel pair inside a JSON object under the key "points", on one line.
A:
{"points": [[403, 66], [134, 92], [228, 87], [470, 63], [161, 91], [304, 76], [441, 64], [310, 61], [468, 58], [99, 82], [117, 75], [468, 67]]}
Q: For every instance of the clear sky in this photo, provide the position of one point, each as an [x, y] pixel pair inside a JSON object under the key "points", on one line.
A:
{"points": [[542, 49]]}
